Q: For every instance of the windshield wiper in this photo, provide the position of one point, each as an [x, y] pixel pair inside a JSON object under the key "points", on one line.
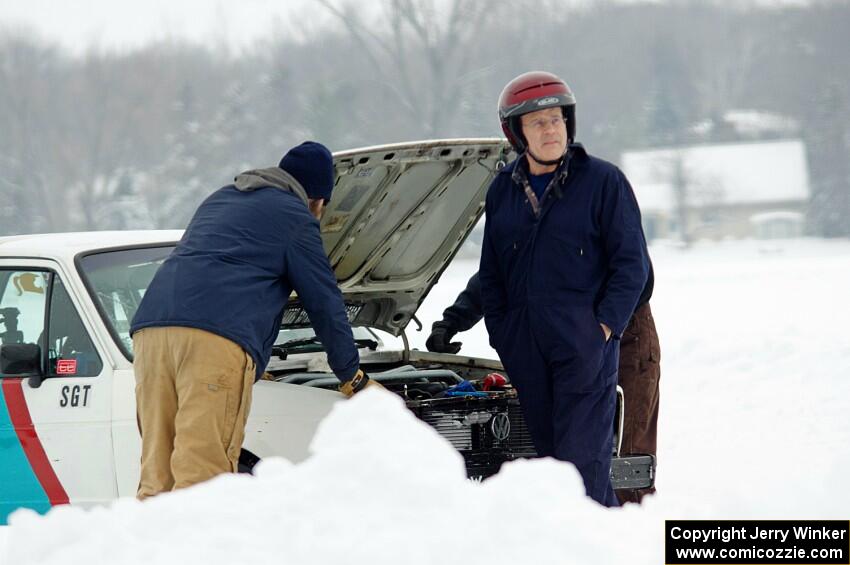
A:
{"points": [[366, 342], [282, 350]]}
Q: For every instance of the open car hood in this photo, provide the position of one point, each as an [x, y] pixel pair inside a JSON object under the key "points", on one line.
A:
{"points": [[398, 216]]}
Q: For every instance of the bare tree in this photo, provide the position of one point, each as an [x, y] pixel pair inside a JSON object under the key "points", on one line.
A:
{"points": [[723, 54], [689, 189], [426, 55], [31, 141]]}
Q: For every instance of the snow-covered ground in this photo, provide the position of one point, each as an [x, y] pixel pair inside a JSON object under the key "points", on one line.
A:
{"points": [[754, 424]]}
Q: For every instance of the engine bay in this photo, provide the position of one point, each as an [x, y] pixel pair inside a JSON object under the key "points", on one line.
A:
{"points": [[472, 405], [413, 383]]}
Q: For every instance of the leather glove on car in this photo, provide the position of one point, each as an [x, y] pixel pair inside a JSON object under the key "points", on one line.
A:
{"points": [[439, 341], [359, 382]]}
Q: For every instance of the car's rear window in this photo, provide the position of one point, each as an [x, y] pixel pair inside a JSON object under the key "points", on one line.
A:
{"points": [[117, 281]]}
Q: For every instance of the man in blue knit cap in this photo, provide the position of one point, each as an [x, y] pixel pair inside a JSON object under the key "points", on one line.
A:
{"points": [[204, 330]]}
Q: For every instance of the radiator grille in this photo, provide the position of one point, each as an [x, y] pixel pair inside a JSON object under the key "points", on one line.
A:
{"points": [[521, 439], [468, 423]]}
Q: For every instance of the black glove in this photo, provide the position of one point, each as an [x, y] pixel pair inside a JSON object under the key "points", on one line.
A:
{"points": [[439, 341]]}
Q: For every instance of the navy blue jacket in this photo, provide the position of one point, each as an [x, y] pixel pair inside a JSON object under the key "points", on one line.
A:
{"points": [[582, 260], [232, 273]]}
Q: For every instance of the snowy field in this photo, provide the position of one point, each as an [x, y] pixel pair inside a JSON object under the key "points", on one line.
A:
{"points": [[754, 424]]}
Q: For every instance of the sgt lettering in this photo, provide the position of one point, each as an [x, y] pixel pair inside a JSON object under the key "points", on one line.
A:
{"points": [[74, 396]]}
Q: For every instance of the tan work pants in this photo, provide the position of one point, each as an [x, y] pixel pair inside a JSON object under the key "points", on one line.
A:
{"points": [[193, 395]]}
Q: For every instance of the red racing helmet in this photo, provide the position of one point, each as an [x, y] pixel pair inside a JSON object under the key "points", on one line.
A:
{"points": [[529, 92]]}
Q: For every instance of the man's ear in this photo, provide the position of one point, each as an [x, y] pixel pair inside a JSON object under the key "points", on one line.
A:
{"points": [[316, 206]]}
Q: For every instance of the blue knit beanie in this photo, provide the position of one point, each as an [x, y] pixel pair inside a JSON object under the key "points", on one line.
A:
{"points": [[311, 164]]}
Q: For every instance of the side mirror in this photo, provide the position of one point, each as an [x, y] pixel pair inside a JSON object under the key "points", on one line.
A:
{"points": [[22, 359]]}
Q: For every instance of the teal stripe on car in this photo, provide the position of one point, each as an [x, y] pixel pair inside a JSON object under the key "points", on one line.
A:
{"points": [[19, 487]]}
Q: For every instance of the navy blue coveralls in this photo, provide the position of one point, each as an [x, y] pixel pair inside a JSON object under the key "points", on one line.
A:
{"points": [[549, 277]]}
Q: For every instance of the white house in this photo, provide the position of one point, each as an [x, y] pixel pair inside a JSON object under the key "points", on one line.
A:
{"points": [[753, 189]]}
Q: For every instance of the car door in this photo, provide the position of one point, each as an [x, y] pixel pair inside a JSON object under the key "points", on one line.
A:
{"points": [[116, 280], [55, 422]]}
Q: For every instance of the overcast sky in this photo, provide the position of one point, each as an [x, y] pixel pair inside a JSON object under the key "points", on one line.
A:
{"points": [[127, 24], [124, 25]]}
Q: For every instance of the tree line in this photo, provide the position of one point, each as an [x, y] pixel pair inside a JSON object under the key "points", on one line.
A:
{"points": [[136, 140]]}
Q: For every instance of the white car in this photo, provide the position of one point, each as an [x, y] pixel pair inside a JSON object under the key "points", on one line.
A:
{"points": [[399, 214]]}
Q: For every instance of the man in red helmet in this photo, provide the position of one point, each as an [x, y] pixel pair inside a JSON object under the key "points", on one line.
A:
{"points": [[639, 367], [563, 264]]}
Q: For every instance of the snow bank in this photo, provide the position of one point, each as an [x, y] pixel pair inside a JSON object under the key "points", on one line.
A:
{"points": [[381, 487]]}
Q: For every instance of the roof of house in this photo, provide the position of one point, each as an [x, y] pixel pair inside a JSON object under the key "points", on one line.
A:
{"points": [[724, 174]]}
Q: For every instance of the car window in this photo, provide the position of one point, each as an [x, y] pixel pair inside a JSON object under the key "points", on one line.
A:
{"points": [[118, 281], [70, 351], [68, 347], [22, 304]]}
